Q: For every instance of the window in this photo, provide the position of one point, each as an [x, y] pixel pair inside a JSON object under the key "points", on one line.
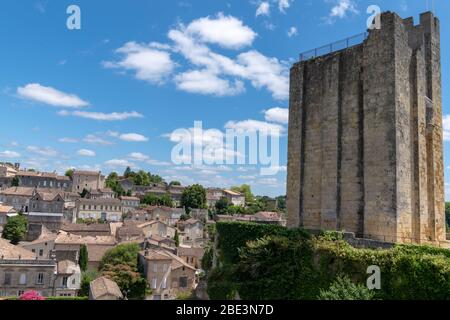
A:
{"points": [[183, 282], [23, 279], [20, 292], [64, 282], [41, 252], [33, 250], [154, 280], [7, 280], [155, 267], [40, 278], [164, 283]]}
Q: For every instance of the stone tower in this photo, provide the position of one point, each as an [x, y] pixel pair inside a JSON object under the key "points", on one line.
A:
{"points": [[365, 136]]}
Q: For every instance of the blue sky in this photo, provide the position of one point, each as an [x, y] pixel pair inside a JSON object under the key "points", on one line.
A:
{"points": [[111, 94]]}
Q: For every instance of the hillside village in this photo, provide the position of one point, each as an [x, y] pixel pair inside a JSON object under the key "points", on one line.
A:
{"points": [[58, 232]]}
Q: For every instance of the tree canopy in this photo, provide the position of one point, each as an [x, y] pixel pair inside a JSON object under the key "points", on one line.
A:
{"points": [[194, 197], [15, 229]]}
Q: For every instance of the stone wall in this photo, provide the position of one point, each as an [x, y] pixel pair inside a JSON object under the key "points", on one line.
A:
{"points": [[365, 144]]}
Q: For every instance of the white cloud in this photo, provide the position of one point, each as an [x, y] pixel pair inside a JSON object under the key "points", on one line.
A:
{"points": [[266, 72], [137, 156], [9, 154], [99, 116], [283, 5], [341, 9], [263, 9], [292, 32], [50, 96], [133, 137], [226, 31], [43, 151], [86, 153], [149, 62], [280, 115], [119, 163], [97, 140], [255, 126], [68, 140], [206, 82], [446, 127]]}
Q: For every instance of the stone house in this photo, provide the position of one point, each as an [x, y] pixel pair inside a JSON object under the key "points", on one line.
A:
{"points": [[167, 274], [104, 289], [129, 203], [85, 230], [68, 245], [49, 180], [156, 227], [5, 213], [20, 271], [212, 196], [126, 184], [192, 256], [43, 246], [89, 180], [129, 232], [170, 216], [99, 209], [8, 171], [68, 280], [176, 193], [191, 231], [235, 198], [18, 197], [105, 193]]}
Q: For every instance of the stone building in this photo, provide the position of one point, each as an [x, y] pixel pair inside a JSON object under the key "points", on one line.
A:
{"points": [[89, 180], [105, 209], [365, 136], [51, 180], [21, 271]]}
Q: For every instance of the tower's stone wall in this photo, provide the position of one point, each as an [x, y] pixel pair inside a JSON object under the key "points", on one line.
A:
{"points": [[365, 136]]}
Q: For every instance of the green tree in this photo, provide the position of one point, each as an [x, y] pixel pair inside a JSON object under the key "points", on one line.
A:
{"points": [[222, 205], [344, 289], [86, 278], [447, 215], [112, 181], [194, 197], [130, 282], [246, 190], [176, 238], [84, 258], [15, 182], [84, 193], [175, 183], [122, 254], [154, 178], [15, 229], [281, 201], [127, 173], [69, 173]]}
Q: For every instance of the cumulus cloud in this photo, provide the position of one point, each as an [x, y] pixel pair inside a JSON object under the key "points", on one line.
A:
{"points": [[86, 153], [283, 5], [50, 96], [255, 126], [263, 9], [211, 73], [140, 157], [100, 116], [43, 151], [292, 32], [97, 139], [446, 127], [341, 9], [119, 163], [149, 62], [9, 154], [225, 31], [68, 140], [133, 137], [280, 115], [207, 82]]}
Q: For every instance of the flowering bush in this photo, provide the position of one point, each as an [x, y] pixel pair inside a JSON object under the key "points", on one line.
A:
{"points": [[31, 295]]}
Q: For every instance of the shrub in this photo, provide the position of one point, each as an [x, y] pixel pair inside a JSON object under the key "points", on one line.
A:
{"points": [[344, 289]]}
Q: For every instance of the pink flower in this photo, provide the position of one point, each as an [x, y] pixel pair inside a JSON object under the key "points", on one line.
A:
{"points": [[31, 295]]}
